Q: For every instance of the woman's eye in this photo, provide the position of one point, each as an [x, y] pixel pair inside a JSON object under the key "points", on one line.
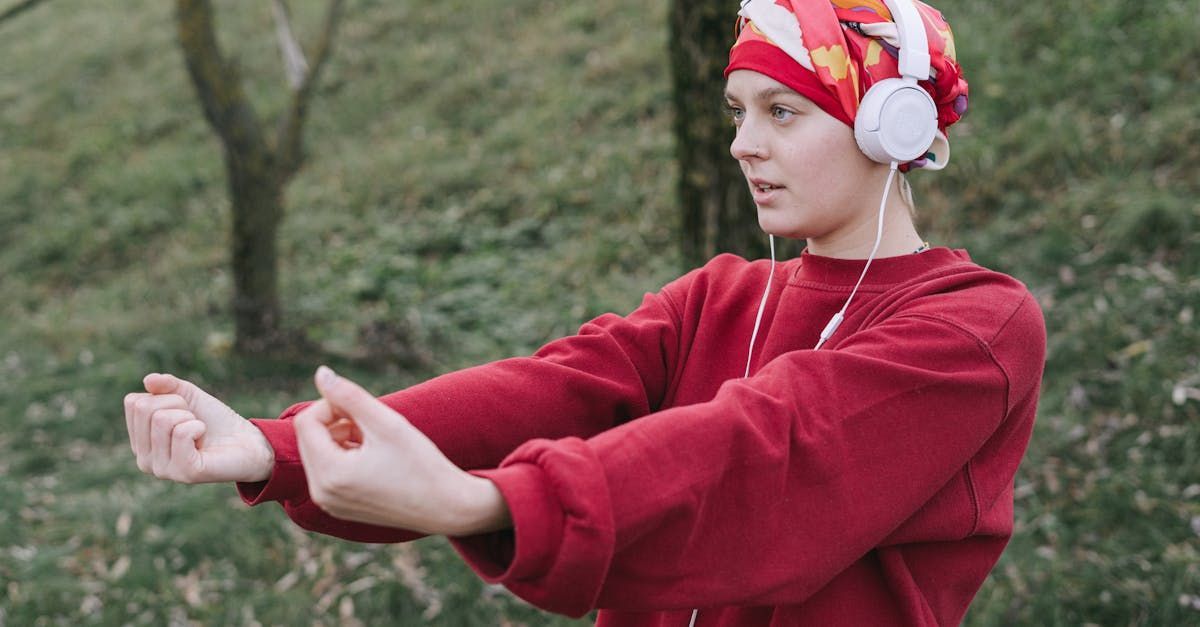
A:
{"points": [[735, 114], [780, 114]]}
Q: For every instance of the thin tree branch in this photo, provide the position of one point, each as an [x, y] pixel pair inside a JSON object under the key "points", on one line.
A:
{"points": [[218, 82], [18, 8], [291, 140], [294, 62]]}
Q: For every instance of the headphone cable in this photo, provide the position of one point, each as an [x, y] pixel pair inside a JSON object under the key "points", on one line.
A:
{"points": [[836, 321]]}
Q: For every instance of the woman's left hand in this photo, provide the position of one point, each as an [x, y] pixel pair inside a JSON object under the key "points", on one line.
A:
{"points": [[367, 463]]}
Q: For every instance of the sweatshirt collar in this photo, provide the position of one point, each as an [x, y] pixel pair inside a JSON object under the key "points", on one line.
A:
{"points": [[884, 271]]}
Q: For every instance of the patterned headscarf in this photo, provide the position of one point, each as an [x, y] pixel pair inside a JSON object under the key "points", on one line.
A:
{"points": [[832, 51]]}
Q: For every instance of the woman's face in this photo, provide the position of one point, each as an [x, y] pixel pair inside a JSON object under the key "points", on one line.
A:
{"points": [[805, 171]]}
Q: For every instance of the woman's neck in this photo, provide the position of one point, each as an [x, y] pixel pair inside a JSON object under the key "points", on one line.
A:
{"points": [[900, 237]]}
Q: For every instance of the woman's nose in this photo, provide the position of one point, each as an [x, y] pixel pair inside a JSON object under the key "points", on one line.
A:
{"points": [[747, 142]]}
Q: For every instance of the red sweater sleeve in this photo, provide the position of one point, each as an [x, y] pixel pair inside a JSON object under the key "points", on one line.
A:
{"points": [[765, 493], [615, 369]]}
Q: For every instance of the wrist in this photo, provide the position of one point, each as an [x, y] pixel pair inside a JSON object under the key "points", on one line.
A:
{"points": [[264, 456], [481, 509]]}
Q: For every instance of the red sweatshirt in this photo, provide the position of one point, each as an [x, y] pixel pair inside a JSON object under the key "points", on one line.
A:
{"points": [[868, 483]]}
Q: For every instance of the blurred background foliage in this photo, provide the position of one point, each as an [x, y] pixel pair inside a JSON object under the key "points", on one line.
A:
{"points": [[486, 175]]}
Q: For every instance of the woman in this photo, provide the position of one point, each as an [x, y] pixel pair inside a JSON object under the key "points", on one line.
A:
{"points": [[830, 440]]}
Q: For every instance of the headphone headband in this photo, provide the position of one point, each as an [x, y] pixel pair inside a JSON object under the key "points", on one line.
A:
{"points": [[914, 45], [896, 119], [910, 26]]}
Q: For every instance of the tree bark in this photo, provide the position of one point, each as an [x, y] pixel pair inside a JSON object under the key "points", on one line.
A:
{"points": [[258, 167], [257, 201], [718, 214]]}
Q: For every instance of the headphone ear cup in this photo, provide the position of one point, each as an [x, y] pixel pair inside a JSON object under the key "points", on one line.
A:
{"points": [[896, 121]]}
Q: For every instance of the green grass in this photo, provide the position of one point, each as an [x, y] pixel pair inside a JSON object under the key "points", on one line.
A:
{"points": [[487, 175], [1080, 174]]}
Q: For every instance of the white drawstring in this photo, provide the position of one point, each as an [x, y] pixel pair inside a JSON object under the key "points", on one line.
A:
{"points": [[762, 305]]}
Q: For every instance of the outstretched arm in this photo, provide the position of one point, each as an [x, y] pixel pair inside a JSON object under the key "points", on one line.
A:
{"points": [[615, 369], [387, 472], [776, 486]]}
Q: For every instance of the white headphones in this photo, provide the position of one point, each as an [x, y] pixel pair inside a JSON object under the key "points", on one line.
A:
{"points": [[897, 119], [896, 123]]}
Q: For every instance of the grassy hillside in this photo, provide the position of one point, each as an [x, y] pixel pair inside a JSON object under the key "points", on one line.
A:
{"points": [[485, 176], [1080, 173]]}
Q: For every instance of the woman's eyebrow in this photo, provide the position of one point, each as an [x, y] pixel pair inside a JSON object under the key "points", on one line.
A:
{"points": [[772, 92], [767, 94]]}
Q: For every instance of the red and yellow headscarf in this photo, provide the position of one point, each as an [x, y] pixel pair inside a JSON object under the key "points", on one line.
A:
{"points": [[832, 51]]}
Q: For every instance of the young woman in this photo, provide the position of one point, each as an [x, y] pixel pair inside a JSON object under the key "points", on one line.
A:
{"points": [[829, 440]]}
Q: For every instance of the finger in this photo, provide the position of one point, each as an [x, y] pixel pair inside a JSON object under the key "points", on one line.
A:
{"points": [[143, 409], [313, 439], [162, 424], [159, 383], [321, 456], [130, 399], [349, 398], [345, 433], [185, 455]]}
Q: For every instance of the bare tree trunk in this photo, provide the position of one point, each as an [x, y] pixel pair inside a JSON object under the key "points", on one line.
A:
{"points": [[257, 213], [718, 214], [258, 166]]}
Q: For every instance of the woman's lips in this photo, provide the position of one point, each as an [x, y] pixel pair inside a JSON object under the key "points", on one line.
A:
{"points": [[763, 192]]}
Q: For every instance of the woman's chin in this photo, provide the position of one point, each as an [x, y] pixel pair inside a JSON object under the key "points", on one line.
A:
{"points": [[772, 226]]}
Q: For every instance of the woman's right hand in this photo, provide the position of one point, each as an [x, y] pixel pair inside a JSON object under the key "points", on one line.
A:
{"points": [[180, 432]]}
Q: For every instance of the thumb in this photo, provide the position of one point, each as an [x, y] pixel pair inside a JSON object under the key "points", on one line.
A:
{"points": [[159, 383], [349, 398], [203, 403]]}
